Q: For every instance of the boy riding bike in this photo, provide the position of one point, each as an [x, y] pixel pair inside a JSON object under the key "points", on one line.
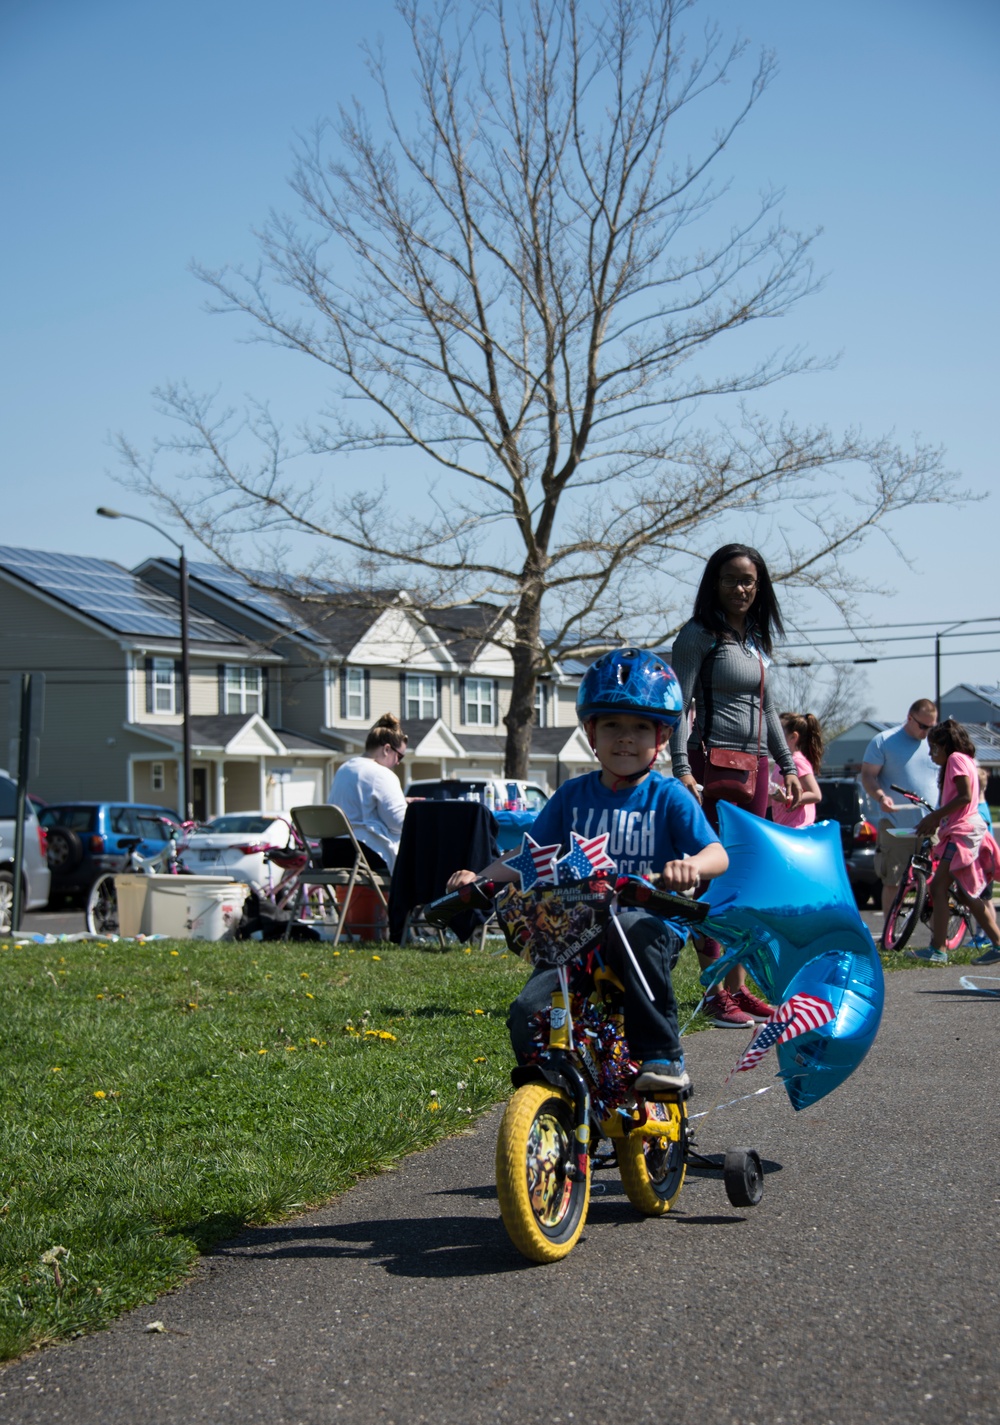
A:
{"points": [[629, 702]]}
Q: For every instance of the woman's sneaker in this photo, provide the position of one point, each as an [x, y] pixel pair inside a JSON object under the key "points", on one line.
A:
{"points": [[662, 1076], [758, 1009], [725, 1013]]}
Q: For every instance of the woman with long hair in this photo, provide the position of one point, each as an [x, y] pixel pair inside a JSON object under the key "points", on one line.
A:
{"points": [[805, 742], [370, 795], [962, 837], [721, 657]]}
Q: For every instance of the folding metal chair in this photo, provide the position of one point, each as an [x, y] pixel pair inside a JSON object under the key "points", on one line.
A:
{"points": [[321, 825]]}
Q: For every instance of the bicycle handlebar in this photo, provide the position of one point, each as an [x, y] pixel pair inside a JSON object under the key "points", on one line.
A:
{"points": [[632, 892], [910, 796]]}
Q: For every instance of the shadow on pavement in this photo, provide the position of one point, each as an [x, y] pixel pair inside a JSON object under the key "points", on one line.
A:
{"points": [[408, 1246]]}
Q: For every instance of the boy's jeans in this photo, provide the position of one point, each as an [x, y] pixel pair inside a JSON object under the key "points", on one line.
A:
{"points": [[650, 1025]]}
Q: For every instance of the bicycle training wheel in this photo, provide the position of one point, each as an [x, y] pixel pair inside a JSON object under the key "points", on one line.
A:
{"points": [[904, 913], [102, 907], [543, 1208], [652, 1169]]}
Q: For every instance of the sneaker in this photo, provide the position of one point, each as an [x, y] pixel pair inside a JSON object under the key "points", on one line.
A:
{"points": [[929, 955], [992, 956], [758, 1009], [662, 1076], [980, 941], [723, 1011]]}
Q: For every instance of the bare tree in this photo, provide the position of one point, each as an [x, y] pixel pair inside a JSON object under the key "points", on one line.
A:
{"points": [[835, 693], [535, 284]]}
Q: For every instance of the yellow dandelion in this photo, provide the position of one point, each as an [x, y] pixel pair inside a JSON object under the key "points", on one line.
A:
{"points": [[192, 1004], [313, 1041], [309, 996], [433, 1106], [56, 1069], [479, 1011], [175, 952], [261, 1051], [376, 957], [468, 949], [480, 1060], [99, 1093], [336, 953], [303, 974], [290, 1048]]}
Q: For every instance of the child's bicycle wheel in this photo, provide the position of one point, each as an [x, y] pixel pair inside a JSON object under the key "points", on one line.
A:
{"points": [[652, 1169], [905, 911], [102, 907], [958, 924], [543, 1208]]}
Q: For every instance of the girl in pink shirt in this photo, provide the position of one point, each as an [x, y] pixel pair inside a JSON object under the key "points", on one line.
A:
{"points": [[962, 837], [805, 742]]}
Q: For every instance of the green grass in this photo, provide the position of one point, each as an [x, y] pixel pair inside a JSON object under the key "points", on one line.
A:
{"points": [[155, 1099]]}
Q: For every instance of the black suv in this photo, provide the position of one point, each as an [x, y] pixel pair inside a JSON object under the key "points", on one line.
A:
{"points": [[846, 801]]}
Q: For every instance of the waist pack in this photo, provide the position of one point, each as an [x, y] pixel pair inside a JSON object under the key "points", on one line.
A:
{"points": [[730, 777]]}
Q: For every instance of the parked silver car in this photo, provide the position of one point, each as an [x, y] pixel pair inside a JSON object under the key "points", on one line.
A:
{"points": [[36, 866]]}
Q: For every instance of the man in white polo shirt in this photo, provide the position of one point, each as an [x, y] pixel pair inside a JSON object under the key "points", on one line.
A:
{"points": [[899, 757]]}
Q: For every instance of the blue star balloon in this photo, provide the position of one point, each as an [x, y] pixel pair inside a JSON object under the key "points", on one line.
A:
{"points": [[785, 910]]}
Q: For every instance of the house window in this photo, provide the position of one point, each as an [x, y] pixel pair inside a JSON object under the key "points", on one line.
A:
{"points": [[243, 693], [541, 704], [354, 693], [156, 778], [421, 695], [164, 700], [480, 701]]}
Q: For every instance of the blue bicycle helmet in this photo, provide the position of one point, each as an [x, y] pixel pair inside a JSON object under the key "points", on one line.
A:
{"points": [[630, 680]]}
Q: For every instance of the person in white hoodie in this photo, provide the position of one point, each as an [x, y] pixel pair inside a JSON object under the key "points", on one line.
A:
{"points": [[370, 795]]}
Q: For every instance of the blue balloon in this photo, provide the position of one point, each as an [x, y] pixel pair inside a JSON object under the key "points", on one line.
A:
{"points": [[785, 910]]}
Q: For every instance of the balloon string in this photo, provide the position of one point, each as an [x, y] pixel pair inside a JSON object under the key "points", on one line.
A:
{"points": [[631, 954], [742, 1099]]}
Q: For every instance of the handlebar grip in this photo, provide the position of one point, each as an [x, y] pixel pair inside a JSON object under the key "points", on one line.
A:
{"points": [[910, 796], [474, 895], [640, 894]]}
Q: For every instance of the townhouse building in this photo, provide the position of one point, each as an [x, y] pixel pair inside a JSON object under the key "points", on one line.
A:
{"points": [[283, 687]]}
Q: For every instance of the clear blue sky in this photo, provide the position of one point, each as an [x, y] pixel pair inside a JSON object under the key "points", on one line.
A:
{"points": [[140, 136]]}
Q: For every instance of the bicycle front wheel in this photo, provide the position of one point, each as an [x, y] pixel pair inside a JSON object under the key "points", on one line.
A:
{"points": [[905, 911], [102, 907], [542, 1206]]}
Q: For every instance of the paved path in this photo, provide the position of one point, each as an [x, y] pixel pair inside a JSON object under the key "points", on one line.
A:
{"points": [[864, 1288]]}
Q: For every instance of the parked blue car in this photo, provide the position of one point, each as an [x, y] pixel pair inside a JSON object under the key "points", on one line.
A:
{"points": [[84, 837]]}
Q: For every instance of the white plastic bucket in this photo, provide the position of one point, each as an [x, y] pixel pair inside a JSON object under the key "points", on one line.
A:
{"points": [[134, 904], [195, 907]]}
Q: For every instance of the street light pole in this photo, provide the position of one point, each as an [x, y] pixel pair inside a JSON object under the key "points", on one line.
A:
{"points": [[109, 514], [943, 633]]}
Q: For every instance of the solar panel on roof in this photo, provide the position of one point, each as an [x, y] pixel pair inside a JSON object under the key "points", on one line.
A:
{"points": [[108, 593], [238, 588]]}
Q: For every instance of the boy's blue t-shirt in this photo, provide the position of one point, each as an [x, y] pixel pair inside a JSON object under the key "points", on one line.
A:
{"points": [[657, 821]]}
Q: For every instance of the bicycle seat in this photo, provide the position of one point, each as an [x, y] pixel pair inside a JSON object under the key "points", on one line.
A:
{"points": [[129, 843]]}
